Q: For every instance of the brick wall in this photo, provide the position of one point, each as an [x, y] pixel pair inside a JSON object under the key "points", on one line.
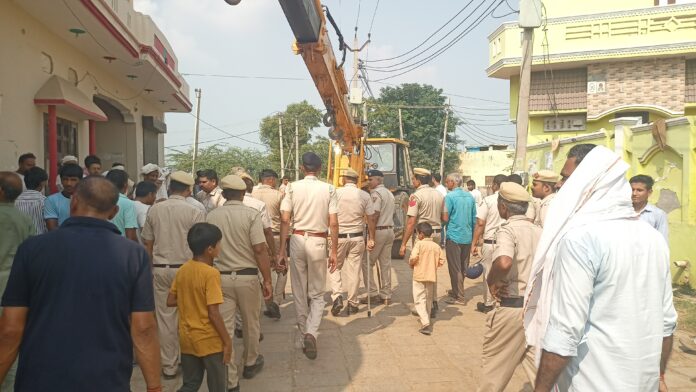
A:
{"points": [[658, 82]]}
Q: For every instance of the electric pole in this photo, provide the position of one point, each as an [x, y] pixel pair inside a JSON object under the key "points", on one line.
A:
{"points": [[444, 141], [195, 138], [280, 137], [297, 151], [401, 126], [529, 19]]}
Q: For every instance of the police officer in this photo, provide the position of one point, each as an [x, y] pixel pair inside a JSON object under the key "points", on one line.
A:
{"points": [[243, 254], [164, 236], [487, 222], [272, 197], [383, 204], [424, 205], [312, 206], [353, 206], [504, 342], [544, 188]]}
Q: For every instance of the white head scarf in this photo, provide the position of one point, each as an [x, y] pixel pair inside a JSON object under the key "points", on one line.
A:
{"points": [[596, 191]]}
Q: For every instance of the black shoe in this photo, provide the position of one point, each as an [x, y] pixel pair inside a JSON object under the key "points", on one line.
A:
{"points": [[433, 310], [235, 389], [351, 309], [310, 346], [337, 306], [238, 333], [272, 311], [374, 300], [426, 330], [483, 308], [253, 370]]}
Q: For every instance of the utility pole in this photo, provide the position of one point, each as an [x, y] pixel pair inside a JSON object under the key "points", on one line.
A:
{"points": [[444, 140], [401, 126], [297, 151], [280, 137], [195, 138], [529, 18], [523, 100]]}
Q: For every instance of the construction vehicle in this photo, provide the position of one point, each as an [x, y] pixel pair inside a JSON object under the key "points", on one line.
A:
{"points": [[349, 145]]}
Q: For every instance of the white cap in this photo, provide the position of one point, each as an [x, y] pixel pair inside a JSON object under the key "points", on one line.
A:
{"points": [[68, 159], [149, 168]]}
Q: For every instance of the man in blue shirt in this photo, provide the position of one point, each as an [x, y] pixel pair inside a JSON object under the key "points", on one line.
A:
{"points": [[57, 206], [79, 302], [126, 220], [459, 215]]}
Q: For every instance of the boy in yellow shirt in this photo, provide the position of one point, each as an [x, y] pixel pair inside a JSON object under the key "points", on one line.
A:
{"points": [[196, 291], [425, 258]]}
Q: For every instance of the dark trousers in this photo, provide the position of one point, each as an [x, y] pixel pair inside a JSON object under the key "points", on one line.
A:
{"points": [[193, 368], [457, 263]]}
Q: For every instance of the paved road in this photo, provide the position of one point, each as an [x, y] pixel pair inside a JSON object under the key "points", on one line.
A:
{"points": [[386, 353]]}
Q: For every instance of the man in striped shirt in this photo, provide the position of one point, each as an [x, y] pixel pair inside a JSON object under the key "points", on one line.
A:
{"points": [[31, 201]]}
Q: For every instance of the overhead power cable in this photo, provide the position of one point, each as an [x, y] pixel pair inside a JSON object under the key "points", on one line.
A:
{"points": [[427, 39], [372, 22], [433, 56], [225, 132]]}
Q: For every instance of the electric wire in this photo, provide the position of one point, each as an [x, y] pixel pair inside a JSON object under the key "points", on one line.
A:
{"points": [[225, 132]]}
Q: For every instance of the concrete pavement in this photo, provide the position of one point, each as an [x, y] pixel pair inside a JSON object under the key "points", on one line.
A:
{"points": [[387, 353]]}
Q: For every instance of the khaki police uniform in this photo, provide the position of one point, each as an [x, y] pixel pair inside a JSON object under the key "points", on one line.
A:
{"points": [[504, 344], [211, 200], [426, 205], [543, 209], [382, 202], [167, 225], [488, 211], [310, 201], [272, 198], [241, 228], [353, 205]]}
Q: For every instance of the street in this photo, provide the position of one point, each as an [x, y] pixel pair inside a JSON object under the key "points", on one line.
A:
{"points": [[386, 353]]}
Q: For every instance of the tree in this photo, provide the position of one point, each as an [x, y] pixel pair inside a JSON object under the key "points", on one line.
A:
{"points": [[221, 160], [308, 117], [422, 127]]}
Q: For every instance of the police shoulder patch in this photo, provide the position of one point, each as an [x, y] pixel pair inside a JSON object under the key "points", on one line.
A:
{"points": [[412, 201]]}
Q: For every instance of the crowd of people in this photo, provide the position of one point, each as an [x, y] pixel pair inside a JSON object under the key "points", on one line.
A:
{"points": [[577, 286]]}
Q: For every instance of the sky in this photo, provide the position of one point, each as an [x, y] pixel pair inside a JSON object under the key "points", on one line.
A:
{"points": [[253, 40]]}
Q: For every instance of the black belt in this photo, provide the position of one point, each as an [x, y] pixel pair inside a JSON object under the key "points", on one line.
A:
{"points": [[490, 242], [350, 235], [167, 265], [515, 302], [243, 271], [437, 230], [383, 227]]}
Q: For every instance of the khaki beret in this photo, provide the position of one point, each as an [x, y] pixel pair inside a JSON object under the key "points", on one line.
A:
{"points": [[419, 171], [233, 182], [546, 176], [182, 177], [513, 192], [348, 172]]}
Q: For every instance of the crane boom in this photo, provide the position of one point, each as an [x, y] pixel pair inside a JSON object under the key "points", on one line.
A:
{"points": [[308, 24]]}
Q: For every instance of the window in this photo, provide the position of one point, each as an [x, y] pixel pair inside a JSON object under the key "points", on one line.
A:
{"points": [[67, 138], [380, 157]]}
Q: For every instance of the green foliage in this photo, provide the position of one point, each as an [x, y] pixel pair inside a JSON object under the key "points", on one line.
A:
{"points": [[308, 117], [422, 127], [222, 160]]}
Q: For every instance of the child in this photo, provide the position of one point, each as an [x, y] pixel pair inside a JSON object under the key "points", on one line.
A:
{"points": [[425, 258], [205, 344]]}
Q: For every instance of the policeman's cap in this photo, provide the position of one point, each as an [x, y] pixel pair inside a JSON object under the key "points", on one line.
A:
{"points": [[182, 177], [233, 182], [513, 192], [419, 171], [348, 172], [546, 176]]}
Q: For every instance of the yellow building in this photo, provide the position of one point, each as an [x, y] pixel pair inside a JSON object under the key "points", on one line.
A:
{"points": [[81, 77], [610, 72], [482, 163]]}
